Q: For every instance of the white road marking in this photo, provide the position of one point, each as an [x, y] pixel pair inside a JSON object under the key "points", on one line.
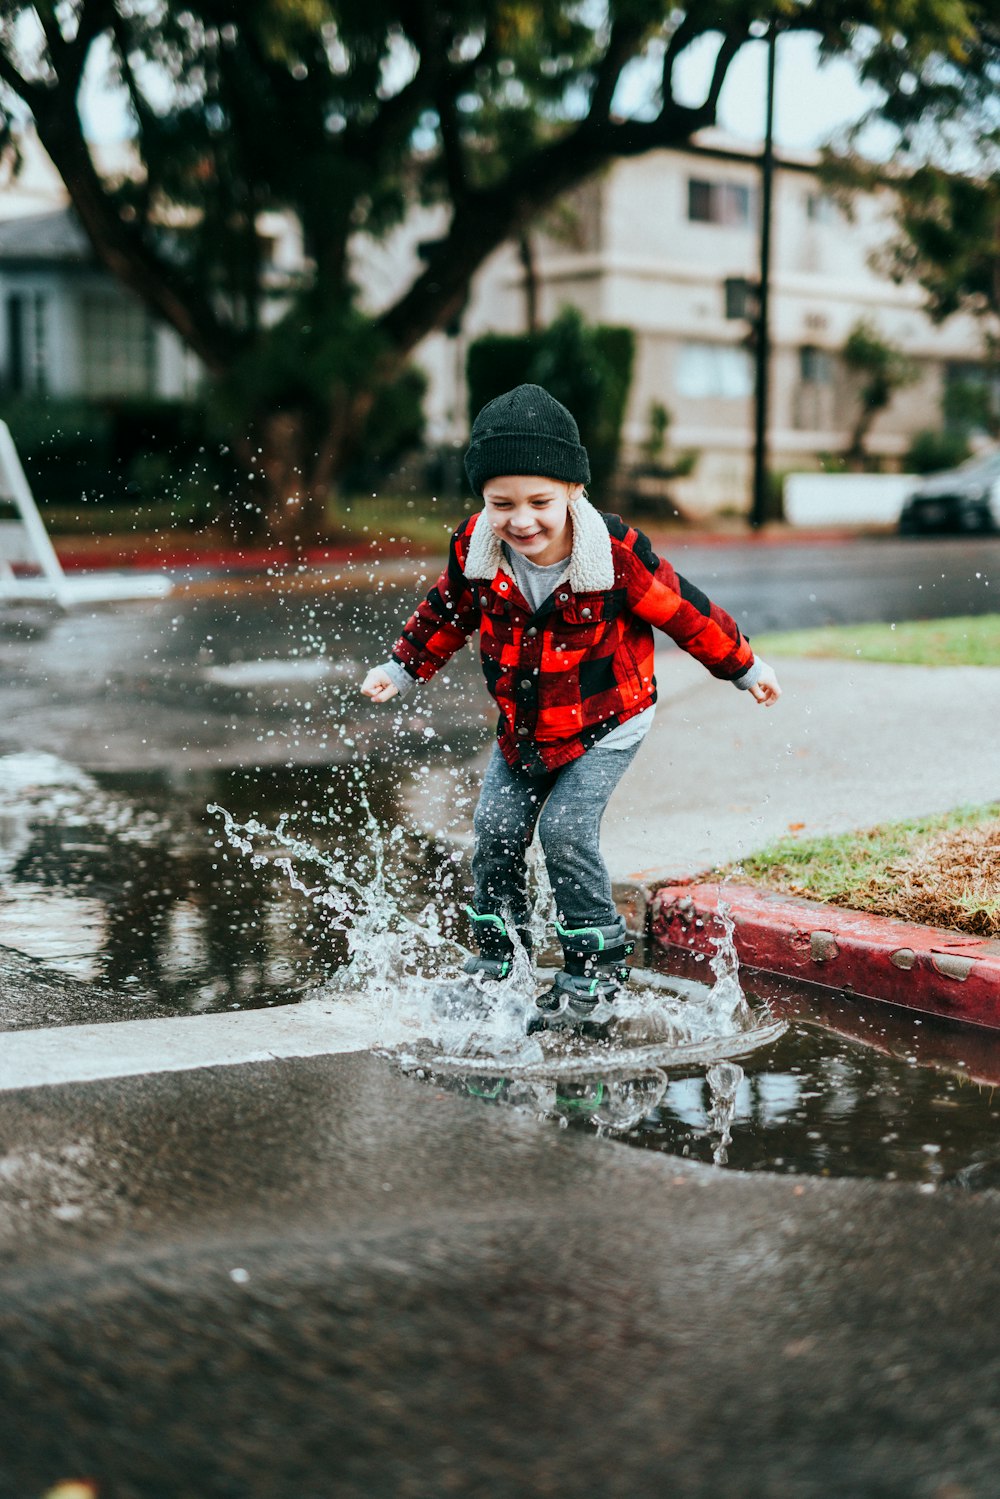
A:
{"points": [[133, 1048]]}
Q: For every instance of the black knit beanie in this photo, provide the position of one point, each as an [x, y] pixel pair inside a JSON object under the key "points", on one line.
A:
{"points": [[526, 431]]}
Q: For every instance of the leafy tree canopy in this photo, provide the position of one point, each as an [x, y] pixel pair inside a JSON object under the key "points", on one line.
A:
{"points": [[345, 111], [946, 173]]}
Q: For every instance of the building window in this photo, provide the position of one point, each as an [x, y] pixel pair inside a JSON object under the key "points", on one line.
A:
{"points": [[821, 209], [727, 203], [27, 357], [119, 349], [742, 298], [719, 371], [815, 366]]}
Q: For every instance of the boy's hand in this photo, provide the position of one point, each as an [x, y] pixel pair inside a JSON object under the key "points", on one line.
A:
{"points": [[765, 690], [379, 686]]}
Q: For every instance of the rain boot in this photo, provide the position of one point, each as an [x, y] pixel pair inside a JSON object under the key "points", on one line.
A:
{"points": [[583, 993], [470, 995]]}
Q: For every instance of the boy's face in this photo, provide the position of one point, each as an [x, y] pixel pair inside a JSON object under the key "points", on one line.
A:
{"points": [[531, 514]]}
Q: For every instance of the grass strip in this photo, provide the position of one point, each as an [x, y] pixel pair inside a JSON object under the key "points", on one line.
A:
{"points": [[943, 871], [972, 640]]}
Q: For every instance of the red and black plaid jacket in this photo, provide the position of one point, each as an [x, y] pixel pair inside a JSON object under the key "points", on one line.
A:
{"points": [[567, 675]]}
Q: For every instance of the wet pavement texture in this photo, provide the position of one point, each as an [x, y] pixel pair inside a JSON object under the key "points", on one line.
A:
{"points": [[325, 1278]]}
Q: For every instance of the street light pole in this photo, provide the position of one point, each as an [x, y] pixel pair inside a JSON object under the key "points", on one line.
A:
{"points": [[758, 512]]}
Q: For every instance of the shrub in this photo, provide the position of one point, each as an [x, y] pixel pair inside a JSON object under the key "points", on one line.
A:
{"points": [[118, 451], [586, 366], [931, 451]]}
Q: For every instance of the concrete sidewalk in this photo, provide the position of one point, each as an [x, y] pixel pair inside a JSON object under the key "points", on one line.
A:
{"points": [[849, 744]]}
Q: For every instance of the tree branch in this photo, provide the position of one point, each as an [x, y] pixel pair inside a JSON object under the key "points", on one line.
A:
{"points": [[622, 43], [28, 92], [96, 16], [489, 217], [681, 38], [120, 249], [731, 44]]}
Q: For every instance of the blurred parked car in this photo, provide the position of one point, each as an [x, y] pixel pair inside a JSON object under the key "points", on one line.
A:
{"points": [[966, 498]]}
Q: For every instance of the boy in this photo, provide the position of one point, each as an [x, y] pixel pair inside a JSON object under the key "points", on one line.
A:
{"points": [[564, 598]]}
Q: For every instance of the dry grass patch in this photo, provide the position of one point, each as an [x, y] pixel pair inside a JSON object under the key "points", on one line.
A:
{"points": [[952, 880], [943, 871]]}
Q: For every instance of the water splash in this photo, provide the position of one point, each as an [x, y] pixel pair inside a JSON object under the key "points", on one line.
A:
{"points": [[404, 966], [723, 1081], [400, 960]]}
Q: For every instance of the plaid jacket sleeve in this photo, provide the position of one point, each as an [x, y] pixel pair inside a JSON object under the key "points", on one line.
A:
{"points": [[662, 597], [443, 621]]}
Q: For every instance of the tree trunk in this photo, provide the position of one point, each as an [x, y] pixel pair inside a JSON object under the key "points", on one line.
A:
{"points": [[291, 518], [527, 253], [293, 476]]}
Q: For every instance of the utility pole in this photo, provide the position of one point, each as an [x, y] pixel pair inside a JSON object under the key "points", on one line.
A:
{"points": [[758, 511]]}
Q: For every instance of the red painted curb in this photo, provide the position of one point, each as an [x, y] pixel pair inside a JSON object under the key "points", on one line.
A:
{"points": [[230, 559], [923, 968], [256, 559]]}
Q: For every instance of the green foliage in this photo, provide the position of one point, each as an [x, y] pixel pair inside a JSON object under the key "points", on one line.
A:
{"points": [[658, 420], [119, 451], [944, 105], [933, 450], [882, 367], [948, 241], [587, 367], [961, 641], [319, 348], [395, 427]]}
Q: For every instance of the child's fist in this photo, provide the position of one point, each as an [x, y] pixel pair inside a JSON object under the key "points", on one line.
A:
{"points": [[765, 690], [379, 686]]}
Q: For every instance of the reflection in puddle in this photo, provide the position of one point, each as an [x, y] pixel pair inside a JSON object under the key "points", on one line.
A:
{"points": [[821, 1104], [809, 1102], [119, 879]]}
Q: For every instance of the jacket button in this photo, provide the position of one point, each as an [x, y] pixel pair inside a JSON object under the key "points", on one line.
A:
{"points": [[522, 733], [531, 630], [503, 587], [483, 600], [526, 683], [586, 613], [562, 597]]}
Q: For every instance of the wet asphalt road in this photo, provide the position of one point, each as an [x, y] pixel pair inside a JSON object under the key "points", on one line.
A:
{"points": [[318, 1277], [295, 1281]]}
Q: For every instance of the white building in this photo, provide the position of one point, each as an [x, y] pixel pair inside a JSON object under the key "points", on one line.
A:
{"points": [[68, 330], [651, 244]]}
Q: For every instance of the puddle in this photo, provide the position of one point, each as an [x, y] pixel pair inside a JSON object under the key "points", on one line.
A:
{"points": [[128, 883], [122, 880], [820, 1104]]}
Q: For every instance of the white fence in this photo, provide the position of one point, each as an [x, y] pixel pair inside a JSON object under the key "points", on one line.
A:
{"points": [[846, 499]]}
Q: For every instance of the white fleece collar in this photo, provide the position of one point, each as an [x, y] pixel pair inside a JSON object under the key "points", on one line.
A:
{"points": [[591, 567]]}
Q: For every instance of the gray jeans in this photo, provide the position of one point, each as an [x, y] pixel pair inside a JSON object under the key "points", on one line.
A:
{"points": [[567, 806]]}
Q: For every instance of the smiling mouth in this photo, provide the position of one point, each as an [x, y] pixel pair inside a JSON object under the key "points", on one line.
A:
{"points": [[532, 537]]}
